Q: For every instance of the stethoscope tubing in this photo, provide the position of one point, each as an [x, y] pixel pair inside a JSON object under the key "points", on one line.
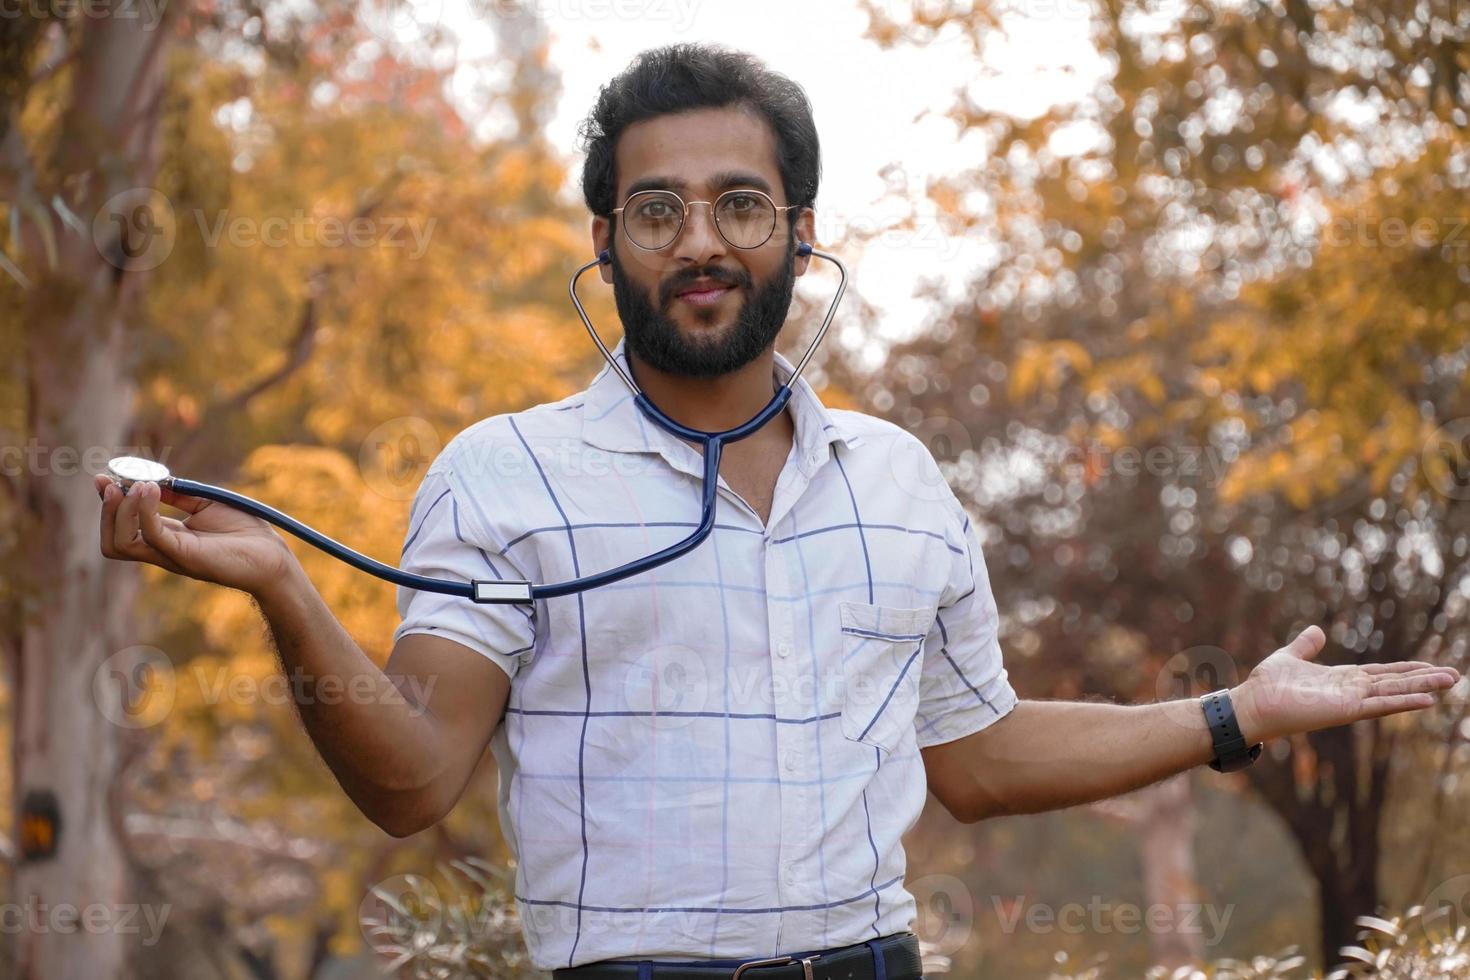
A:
{"points": [[516, 591]]}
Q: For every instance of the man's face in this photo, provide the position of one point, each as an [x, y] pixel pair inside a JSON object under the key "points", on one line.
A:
{"points": [[669, 321]]}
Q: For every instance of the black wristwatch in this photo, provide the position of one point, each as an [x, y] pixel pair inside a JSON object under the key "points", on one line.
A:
{"points": [[1231, 752]]}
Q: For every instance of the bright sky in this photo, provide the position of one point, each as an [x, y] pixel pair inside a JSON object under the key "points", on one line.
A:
{"points": [[877, 111]]}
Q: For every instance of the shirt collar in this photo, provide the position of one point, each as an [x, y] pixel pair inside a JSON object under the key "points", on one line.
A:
{"points": [[611, 421]]}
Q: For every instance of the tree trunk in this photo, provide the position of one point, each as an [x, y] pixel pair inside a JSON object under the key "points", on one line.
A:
{"points": [[83, 910], [1166, 851], [1332, 800], [79, 612], [1162, 818]]}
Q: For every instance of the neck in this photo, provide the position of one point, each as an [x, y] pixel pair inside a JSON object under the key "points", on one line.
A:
{"points": [[711, 404]]}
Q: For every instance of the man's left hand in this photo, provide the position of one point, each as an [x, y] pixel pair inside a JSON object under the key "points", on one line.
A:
{"points": [[1287, 693]]}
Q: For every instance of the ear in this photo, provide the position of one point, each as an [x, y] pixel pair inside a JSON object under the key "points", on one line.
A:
{"points": [[602, 240], [805, 230]]}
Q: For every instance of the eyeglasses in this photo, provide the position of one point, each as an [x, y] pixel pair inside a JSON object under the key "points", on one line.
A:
{"points": [[745, 218]]}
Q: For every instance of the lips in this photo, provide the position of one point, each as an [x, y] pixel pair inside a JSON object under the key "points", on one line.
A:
{"points": [[706, 297], [704, 291]]}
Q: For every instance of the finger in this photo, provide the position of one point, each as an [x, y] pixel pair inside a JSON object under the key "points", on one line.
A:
{"points": [[1411, 683], [159, 537], [1308, 643], [127, 539], [1403, 666], [1377, 707], [113, 540], [109, 518], [1410, 670], [125, 529], [1397, 667]]}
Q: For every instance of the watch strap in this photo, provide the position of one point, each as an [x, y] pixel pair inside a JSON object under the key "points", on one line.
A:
{"points": [[1231, 751]]}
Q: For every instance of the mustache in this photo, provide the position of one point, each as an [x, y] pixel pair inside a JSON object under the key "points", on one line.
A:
{"points": [[682, 280]]}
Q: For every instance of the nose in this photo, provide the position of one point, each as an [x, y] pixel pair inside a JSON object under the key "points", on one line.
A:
{"points": [[699, 241]]}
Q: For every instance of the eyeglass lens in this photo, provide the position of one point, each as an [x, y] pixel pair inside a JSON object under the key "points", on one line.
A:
{"points": [[653, 218]]}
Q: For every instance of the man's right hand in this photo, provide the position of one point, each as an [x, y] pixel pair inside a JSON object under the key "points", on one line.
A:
{"points": [[214, 543]]}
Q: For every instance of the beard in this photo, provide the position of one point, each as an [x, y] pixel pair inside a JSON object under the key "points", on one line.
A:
{"points": [[653, 335]]}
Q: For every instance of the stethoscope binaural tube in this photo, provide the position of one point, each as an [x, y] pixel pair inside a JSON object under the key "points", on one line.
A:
{"points": [[127, 470]]}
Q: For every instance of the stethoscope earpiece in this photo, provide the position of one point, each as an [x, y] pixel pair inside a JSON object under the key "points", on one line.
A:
{"points": [[603, 258], [803, 248]]}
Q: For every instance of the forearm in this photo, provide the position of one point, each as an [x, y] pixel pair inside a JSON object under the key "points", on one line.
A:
{"points": [[374, 731], [1050, 754], [1046, 755]]}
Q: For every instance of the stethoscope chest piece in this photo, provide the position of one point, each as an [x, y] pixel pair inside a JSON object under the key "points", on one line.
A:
{"points": [[127, 470]]}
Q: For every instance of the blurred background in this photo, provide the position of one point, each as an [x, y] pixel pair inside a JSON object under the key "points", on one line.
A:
{"points": [[1177, 292]]}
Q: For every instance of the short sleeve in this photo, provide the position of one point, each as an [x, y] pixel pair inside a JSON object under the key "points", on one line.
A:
{"points": [[442, 542], [963, 686]]}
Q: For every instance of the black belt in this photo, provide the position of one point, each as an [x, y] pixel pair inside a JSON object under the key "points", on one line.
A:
{"points": [[899, 952]]}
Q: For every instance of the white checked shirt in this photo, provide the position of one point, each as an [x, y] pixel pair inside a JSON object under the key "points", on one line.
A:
{"points": [[717, 758]]}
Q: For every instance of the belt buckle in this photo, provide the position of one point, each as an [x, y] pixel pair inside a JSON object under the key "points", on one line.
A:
{"points": [[805, 961]]}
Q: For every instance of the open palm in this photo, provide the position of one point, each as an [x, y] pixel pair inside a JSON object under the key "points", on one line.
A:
{"points": [[1287, 693]]}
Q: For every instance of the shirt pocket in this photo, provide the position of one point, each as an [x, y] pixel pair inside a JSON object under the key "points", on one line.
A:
{"points": [[882, 656]]}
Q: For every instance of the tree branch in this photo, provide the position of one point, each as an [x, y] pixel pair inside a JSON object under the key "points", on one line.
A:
{"points": [[299, 352]]}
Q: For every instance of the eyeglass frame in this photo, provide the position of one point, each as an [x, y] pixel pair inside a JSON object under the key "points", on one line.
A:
{"points": [[684, 218]]}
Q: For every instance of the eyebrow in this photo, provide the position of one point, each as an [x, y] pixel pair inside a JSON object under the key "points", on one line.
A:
{"points": [[720, 182]]}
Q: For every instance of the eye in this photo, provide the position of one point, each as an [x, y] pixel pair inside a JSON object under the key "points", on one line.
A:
{"points": [[740, 201], [655, 210]]}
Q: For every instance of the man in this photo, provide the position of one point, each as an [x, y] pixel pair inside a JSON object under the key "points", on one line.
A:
{"points": [[714, 762]]}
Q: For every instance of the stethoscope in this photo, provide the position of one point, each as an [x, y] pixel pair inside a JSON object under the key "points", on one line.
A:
{"points": [[127, 470]]}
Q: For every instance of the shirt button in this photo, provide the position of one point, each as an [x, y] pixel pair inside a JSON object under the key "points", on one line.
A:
{"points": [[783, 650], [789, 762], [789, 875]]}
